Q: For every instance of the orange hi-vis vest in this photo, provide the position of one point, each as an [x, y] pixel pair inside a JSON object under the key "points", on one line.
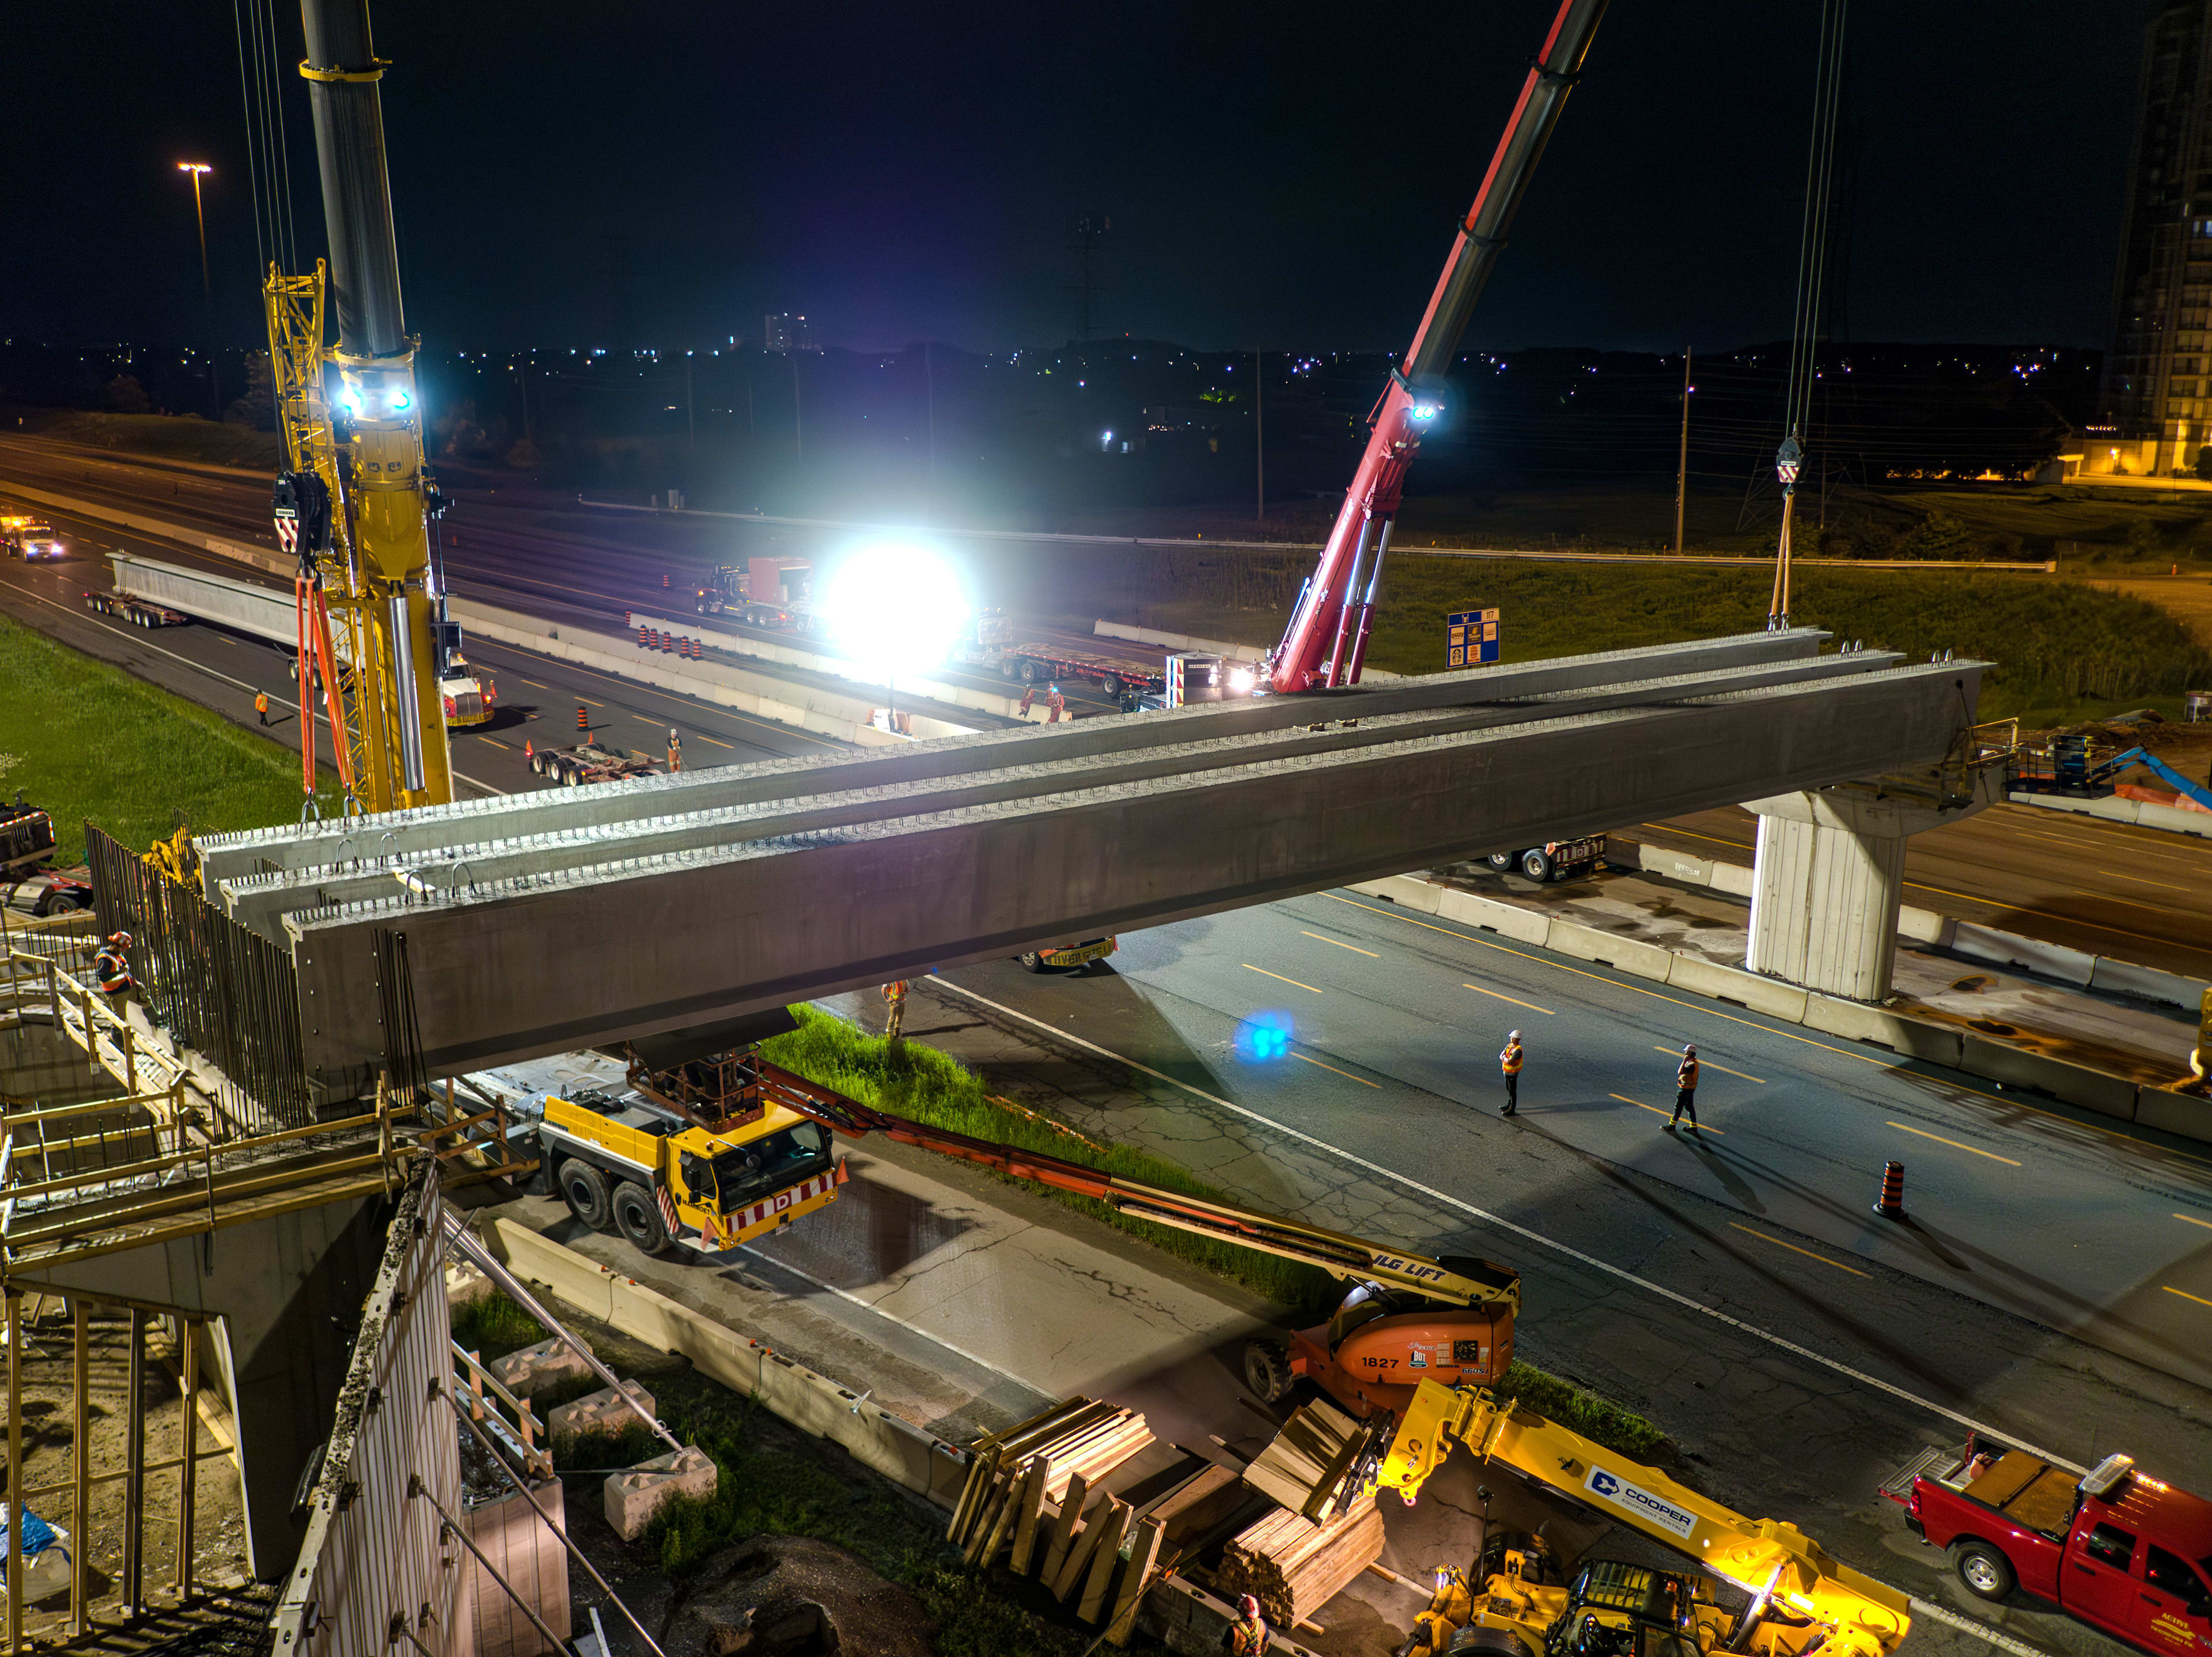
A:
{"points": [[1250, 1635], [1510, 1060], [1687, 1075]]}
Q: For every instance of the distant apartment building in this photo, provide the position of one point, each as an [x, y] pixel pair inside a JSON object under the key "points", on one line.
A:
{"points": [[2158, 379], [786, 331]]}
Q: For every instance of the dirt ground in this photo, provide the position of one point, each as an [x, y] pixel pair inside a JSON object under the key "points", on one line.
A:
{"points": [[219, 1567]]}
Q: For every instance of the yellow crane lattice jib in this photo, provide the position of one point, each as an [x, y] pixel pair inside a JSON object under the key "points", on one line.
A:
{"points": [[1763, 1557]]}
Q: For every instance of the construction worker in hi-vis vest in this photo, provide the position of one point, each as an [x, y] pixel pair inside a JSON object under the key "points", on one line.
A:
{"points": [[1509, 1065]]}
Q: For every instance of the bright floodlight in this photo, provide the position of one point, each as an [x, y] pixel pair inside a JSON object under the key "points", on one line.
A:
{"points": [[895, 606]]}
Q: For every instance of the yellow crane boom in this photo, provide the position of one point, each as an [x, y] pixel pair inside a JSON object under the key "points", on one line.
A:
{"points": [[1790, 1575]]}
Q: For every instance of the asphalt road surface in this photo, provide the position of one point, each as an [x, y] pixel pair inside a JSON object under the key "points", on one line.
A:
{"points": [[539, 695], [1394, 1023], [543, 558], [2139, 894]]}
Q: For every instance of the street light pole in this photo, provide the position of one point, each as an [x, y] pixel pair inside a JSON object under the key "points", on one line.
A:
{"points": [[198, 169], [1682, 466]]}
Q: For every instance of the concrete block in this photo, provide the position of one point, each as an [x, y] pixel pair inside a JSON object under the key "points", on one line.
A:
{"points": [[1676, 865], [2147, 984], [601, 1412], [1925, 926], [1407, 891], [464, 1284], [1753, 990], [1645, 961], [633, 1498], [1507, 920], [1939, 1043], [538, 1368], [2052, 961], [1734, 879], [2076, 1084], [2176, 1113]]}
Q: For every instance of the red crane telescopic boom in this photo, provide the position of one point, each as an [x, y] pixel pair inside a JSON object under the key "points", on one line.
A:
{"points": [[1326, 643]]}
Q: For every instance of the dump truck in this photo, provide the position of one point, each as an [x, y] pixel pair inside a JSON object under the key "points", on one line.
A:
{"points": [[2128, 1554]]}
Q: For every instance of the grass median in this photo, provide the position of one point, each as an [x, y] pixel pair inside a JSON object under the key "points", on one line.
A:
{"points": [[86, 740], [912, 1080]]}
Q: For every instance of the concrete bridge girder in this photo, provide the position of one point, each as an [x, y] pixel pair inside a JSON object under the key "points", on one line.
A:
{"points": [[259, 900], [462, 823], [586, 957]]}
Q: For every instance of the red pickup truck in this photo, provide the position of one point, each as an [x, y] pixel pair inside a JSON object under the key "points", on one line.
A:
{"points": [[2123, 1553]]}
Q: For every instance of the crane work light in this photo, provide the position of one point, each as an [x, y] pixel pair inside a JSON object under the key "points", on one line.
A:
{"points": [[895, 606]]}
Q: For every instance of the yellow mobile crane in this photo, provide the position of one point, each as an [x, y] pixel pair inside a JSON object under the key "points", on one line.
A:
{"points": [[357, 501]]}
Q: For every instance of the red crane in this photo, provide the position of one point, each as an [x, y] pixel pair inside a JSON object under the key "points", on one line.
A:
{"points": [[1326, 643]]}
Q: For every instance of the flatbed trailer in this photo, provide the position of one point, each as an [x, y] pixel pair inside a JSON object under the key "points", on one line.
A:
{"points": [[994, 645], [587, 762], [139, 612]]}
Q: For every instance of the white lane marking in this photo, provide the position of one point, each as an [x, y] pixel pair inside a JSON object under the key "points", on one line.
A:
{"points": [[1980, 1631], [1431, 1192], [934, 1339]]}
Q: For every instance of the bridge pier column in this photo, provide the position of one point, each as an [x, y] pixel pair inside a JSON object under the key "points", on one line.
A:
{"points": [[1828, 879]]}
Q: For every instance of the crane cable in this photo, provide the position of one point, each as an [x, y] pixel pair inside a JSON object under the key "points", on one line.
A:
{"points": [[1812, 284]]}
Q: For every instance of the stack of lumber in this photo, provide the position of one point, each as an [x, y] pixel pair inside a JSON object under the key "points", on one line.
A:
{"points": [[1305, 1468], [1294, 1567], [1043, 1495], [1080, 1438]]}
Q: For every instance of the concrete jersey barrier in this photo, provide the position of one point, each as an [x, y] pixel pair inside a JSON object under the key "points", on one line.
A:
{"points": [[1927, 1039]]}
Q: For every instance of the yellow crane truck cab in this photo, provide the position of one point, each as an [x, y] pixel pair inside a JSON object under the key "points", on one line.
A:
{"points": [[659, 1176]]}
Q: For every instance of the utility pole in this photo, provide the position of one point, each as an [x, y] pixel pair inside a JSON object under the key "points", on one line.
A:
{"points": [[690, 425], [1682, 471], [797, 422], [1260, 426], [929, 378], [199, 170], [524, 372]]}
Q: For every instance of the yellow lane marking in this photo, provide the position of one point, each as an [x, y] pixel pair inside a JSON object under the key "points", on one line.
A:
{"points": [[587, 701], [1656, 1111], [2192, 1220], [1530, 1005], [2067, 920], [497, 743], [701, 736], [1674, 1052], [1278, 976], [1794, 1249], [1353, 947], [1692, 834], [1346, 1075], [2185, 1294], [533, 684], [1952, 1143], [2009, 1102], [2163, 886]]}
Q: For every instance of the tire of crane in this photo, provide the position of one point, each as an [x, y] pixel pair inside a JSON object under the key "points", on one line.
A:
{"points": [[1536, 864], [1491, 1643], [1500, 861], [1983, 1568], [637, 1217], [585, 1188], [1267, 1369], [1032, 960]]}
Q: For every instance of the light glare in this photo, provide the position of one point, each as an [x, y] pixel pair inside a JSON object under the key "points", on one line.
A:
{"points": [[895, 606]]}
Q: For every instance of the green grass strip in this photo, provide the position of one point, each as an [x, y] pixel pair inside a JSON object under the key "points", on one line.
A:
{"points": [[85, 740], [916, 1081]]}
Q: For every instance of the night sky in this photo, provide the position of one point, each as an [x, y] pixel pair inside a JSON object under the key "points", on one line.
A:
{"points": [[1278, 171]]}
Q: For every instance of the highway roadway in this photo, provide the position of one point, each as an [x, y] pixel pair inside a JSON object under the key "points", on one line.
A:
{"points": [[1395, 1021], [539, 695], [531, 552], [2141, 894]]}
